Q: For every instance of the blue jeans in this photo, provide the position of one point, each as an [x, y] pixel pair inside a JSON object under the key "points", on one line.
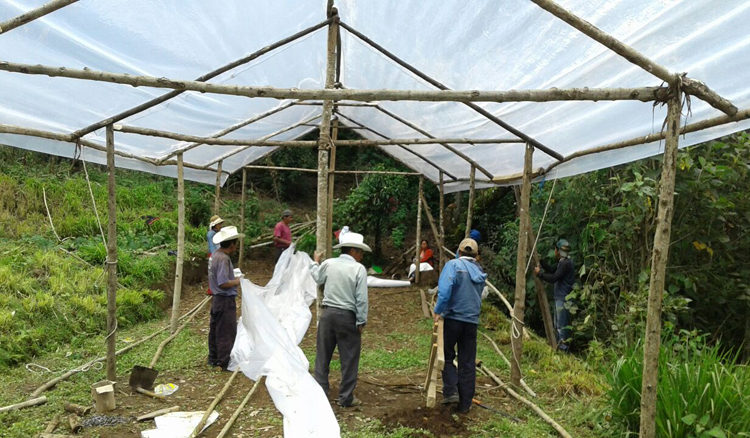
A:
{"points": [[562, 323]]}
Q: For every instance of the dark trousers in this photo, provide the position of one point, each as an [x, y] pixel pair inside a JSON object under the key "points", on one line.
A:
{"points": [[277, 253], [338, 327], [222, 329], [562, 324], [463, 335]]}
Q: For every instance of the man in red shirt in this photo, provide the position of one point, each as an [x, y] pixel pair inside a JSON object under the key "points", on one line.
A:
{"points": [[282, 235]]}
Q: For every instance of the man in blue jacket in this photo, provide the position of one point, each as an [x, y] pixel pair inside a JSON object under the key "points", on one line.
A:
{"points": [[460, 293]]}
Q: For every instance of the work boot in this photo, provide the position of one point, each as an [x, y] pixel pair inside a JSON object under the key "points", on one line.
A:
{"points": [[451, 399], [355, 402]]}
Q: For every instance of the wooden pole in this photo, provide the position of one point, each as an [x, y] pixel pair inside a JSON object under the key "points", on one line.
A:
{"points": [[419, 230], [442, 221], [331, 175], [174, 334], [431, 221], [223, 69], [541, 295], [180, 244], [233, 418], [470, 209], [111, 257], [323, 231], [25, 404], [33, 14], [693, 87], [659, 257], [519, 305], [242, 219], [643, 94], [217, 188], [199, 427]]}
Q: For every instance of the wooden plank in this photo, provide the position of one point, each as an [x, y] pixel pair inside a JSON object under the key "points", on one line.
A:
{"points": [[425, 308], [440, 346]]}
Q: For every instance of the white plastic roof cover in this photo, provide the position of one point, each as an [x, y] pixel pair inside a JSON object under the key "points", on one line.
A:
{"points": [[483, 45]]}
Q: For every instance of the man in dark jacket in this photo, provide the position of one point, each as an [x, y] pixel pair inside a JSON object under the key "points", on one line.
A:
{"points": [[563, 277], [460, 293]]}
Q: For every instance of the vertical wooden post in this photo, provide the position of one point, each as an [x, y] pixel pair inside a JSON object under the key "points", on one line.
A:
{"points": [[180, 243], [242, 219], [331, 177], [419, 229], [111, 257], [470, 210], [659, 257], [516, 327], [442, 222], [217, 193], [323, 232]]}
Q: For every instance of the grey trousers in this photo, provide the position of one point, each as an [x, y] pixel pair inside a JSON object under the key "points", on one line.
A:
{"points": [[338, 327]]}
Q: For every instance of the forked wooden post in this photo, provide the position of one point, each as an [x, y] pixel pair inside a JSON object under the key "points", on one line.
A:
{"points": [[659, 257], [111, 257], [541, 296], [323, 232], [217, 189], [441, 227], [180, 245], [516, 326], [470, 209], [242, 219], [419, 231]]}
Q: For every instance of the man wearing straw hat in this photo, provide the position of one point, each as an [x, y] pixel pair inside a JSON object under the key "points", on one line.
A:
{"points": [[213, 227], [460, 293], [223, 326], [282, 235], [343, 314]]}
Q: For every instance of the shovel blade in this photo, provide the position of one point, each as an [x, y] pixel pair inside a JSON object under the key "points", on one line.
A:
{"points": [[143, 377]]}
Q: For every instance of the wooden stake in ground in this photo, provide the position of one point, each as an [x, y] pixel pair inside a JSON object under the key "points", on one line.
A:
{"points": [[331, 177], [516, 323], [180, 243], [659, 257], [111, 257], [541, 296]]}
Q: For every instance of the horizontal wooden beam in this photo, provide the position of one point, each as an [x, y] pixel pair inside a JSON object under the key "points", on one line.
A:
{"points": [[305, 143], [693, 127], [338, 172], [33, 14], [644, 94], [690, 86]]}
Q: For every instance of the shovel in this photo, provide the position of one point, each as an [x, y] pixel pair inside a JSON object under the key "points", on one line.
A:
{"points": [[497, 411], [142, 377]]}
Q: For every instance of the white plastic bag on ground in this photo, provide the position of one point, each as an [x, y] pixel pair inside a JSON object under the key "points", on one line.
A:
{"points": [[178, 424], [274, 320]]}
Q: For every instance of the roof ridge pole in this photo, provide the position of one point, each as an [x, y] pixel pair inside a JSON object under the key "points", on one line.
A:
{"points": [[323, 232], [470, 209], [111, 257], [417, 154], [441, 86], [163, 98], [659, 257], [33, 14], [690, 86], [517, 324], [445, 145]]}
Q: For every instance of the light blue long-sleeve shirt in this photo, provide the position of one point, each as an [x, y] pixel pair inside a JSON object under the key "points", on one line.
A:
{"points": [[345, 282], [460, 290], [212, 247]]}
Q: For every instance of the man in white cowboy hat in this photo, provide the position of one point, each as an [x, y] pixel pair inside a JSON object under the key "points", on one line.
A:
{"points": [[214, 226], [460, 293], [223, 326], [282, 235], [343, 315]]}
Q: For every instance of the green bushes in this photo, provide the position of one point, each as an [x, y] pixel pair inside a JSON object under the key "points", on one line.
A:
{"points": [[702, 391]]}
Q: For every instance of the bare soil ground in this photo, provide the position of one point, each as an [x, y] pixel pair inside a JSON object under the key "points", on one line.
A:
{"points": [[393, 398]]}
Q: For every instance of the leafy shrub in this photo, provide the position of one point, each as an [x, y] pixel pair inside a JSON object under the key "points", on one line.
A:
{"points": [[701, 392]]}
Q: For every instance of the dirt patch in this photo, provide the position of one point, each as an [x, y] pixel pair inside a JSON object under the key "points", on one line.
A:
{"points": [[439, 421]]}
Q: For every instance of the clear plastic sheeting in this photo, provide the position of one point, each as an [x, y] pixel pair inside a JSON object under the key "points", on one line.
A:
{"points": [[274, 320], [481, 45], [178, 424]]}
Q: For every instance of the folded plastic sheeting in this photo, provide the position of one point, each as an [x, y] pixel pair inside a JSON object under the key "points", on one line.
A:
{"points": [[274, 320], [178, 424], [384, 282]]}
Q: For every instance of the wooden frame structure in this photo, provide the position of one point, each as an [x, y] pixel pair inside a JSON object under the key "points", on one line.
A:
{"points": [[335, 95]]}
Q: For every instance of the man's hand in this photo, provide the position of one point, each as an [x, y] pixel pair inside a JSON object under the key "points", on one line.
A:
{"points": [[317, 256], [360, 328], [436, 318], [537, 269]]}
